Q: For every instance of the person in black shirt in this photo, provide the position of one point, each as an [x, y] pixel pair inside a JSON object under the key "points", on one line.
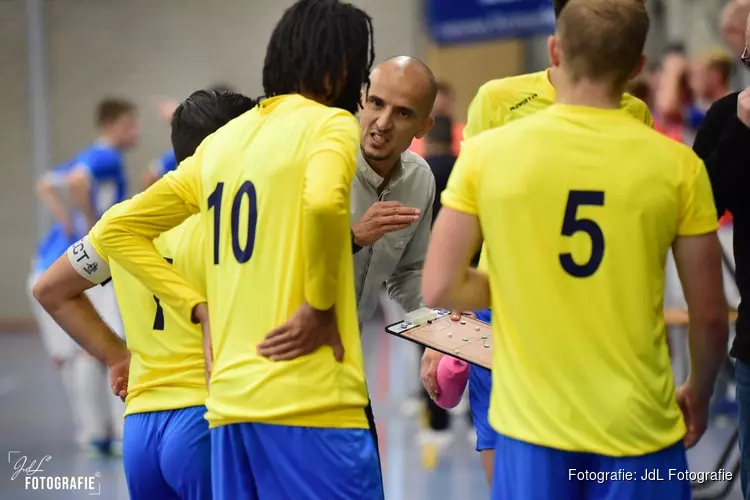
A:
{"points": [[723, 142], [439, 154]]}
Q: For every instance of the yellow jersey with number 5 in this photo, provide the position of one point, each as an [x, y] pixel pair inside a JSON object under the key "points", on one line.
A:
{"points": [[167, 370], [505, 100], [579, 207]]}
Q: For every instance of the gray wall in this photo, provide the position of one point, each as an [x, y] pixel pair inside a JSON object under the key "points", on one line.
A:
{"points": [[139, 49], [17, 213]]}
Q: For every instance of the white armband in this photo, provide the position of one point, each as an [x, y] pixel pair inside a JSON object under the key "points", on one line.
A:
{"points": [[87, 262]]}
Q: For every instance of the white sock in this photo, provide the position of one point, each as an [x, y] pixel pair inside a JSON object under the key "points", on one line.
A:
{"points": [[67, 377], [91, 408]]}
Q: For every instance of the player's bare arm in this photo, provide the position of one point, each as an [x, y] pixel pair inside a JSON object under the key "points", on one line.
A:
{"points": [[79, 185], [448, 280], [151, 174], [60, 291], [47, 192], [698, 260]]}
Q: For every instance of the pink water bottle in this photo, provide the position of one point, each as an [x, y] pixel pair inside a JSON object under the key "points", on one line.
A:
{"points": [[452, 376]]}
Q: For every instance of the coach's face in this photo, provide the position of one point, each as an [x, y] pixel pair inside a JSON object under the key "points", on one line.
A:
{"points": [[395, 111]]}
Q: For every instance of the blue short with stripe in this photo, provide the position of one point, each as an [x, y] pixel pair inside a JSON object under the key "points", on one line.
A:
{"points": [[167, 455], [525, 470], [253, 461], [480, 387]]}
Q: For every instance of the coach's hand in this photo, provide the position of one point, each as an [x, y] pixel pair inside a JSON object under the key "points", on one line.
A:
{"points": [[383, 217], [743, 107], [306, 331], [119, 372], [694, 411], [430, 361]]}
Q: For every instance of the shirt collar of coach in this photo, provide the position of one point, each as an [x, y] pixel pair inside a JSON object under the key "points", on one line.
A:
{"points": [[373, 178]]}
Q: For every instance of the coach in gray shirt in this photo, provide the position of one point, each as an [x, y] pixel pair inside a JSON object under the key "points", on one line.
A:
{"points": [[393, 190]]}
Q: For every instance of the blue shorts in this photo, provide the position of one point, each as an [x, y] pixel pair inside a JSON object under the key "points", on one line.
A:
{"points": [[255, 461], [524, 470], [167, 455], [480, 387]]}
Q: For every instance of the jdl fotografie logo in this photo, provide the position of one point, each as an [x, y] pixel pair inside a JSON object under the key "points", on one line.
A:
{"points": [[30, 470]]}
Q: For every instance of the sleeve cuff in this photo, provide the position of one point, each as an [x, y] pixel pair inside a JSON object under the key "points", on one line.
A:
{"points": [[700, 229], [457, 205], [355, 248]]}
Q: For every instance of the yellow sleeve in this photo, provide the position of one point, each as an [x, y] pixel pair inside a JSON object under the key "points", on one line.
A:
{"points": [[481, 114], [697, 209], [461, 192], [638, 109], [648, 118], [193, 246], [127, 230], [325, 218]]}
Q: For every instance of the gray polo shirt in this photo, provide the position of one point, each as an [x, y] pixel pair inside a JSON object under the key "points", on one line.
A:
{"points": [[397, 258]]}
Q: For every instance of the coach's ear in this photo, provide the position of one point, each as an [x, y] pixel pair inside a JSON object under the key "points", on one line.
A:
{"points": [[427, 124], [638, 67], [553, 49]]}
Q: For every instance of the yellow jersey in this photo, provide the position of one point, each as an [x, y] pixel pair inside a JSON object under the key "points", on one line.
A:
{"points": [[167, 367], [577, 230], [499, 102], [274, 185]]}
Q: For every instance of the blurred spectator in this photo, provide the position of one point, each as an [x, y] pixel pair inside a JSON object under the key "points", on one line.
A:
{"points": [[640, 88], [687, 89], [694, 22], [673, 99], [709, 78], [445, 105], [438, 152], [733, 32]]}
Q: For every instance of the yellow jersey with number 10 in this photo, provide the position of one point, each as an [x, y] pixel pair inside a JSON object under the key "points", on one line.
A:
{"points": [[505, 100], [167, 370], [579, 207], [273, 185]]}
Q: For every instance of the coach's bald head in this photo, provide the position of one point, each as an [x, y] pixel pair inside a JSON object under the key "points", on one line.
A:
{"points": [[396, 109]]}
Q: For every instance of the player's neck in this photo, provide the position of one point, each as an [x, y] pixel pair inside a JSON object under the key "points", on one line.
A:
{"points": [[586, 93], [105, 140], [320, 99]]}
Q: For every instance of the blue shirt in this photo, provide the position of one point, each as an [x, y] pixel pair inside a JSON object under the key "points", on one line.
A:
{"points": [[106, 168], [167, 162]]}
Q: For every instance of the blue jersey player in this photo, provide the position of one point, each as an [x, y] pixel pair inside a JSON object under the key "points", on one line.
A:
{"points": [[93, 180], [167, 161]]}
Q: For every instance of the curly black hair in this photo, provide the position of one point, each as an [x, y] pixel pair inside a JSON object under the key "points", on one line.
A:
{"points": [[321, 47]]}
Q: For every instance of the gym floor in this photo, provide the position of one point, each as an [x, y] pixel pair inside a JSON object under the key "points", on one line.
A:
{"points": [[34, 422]]}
